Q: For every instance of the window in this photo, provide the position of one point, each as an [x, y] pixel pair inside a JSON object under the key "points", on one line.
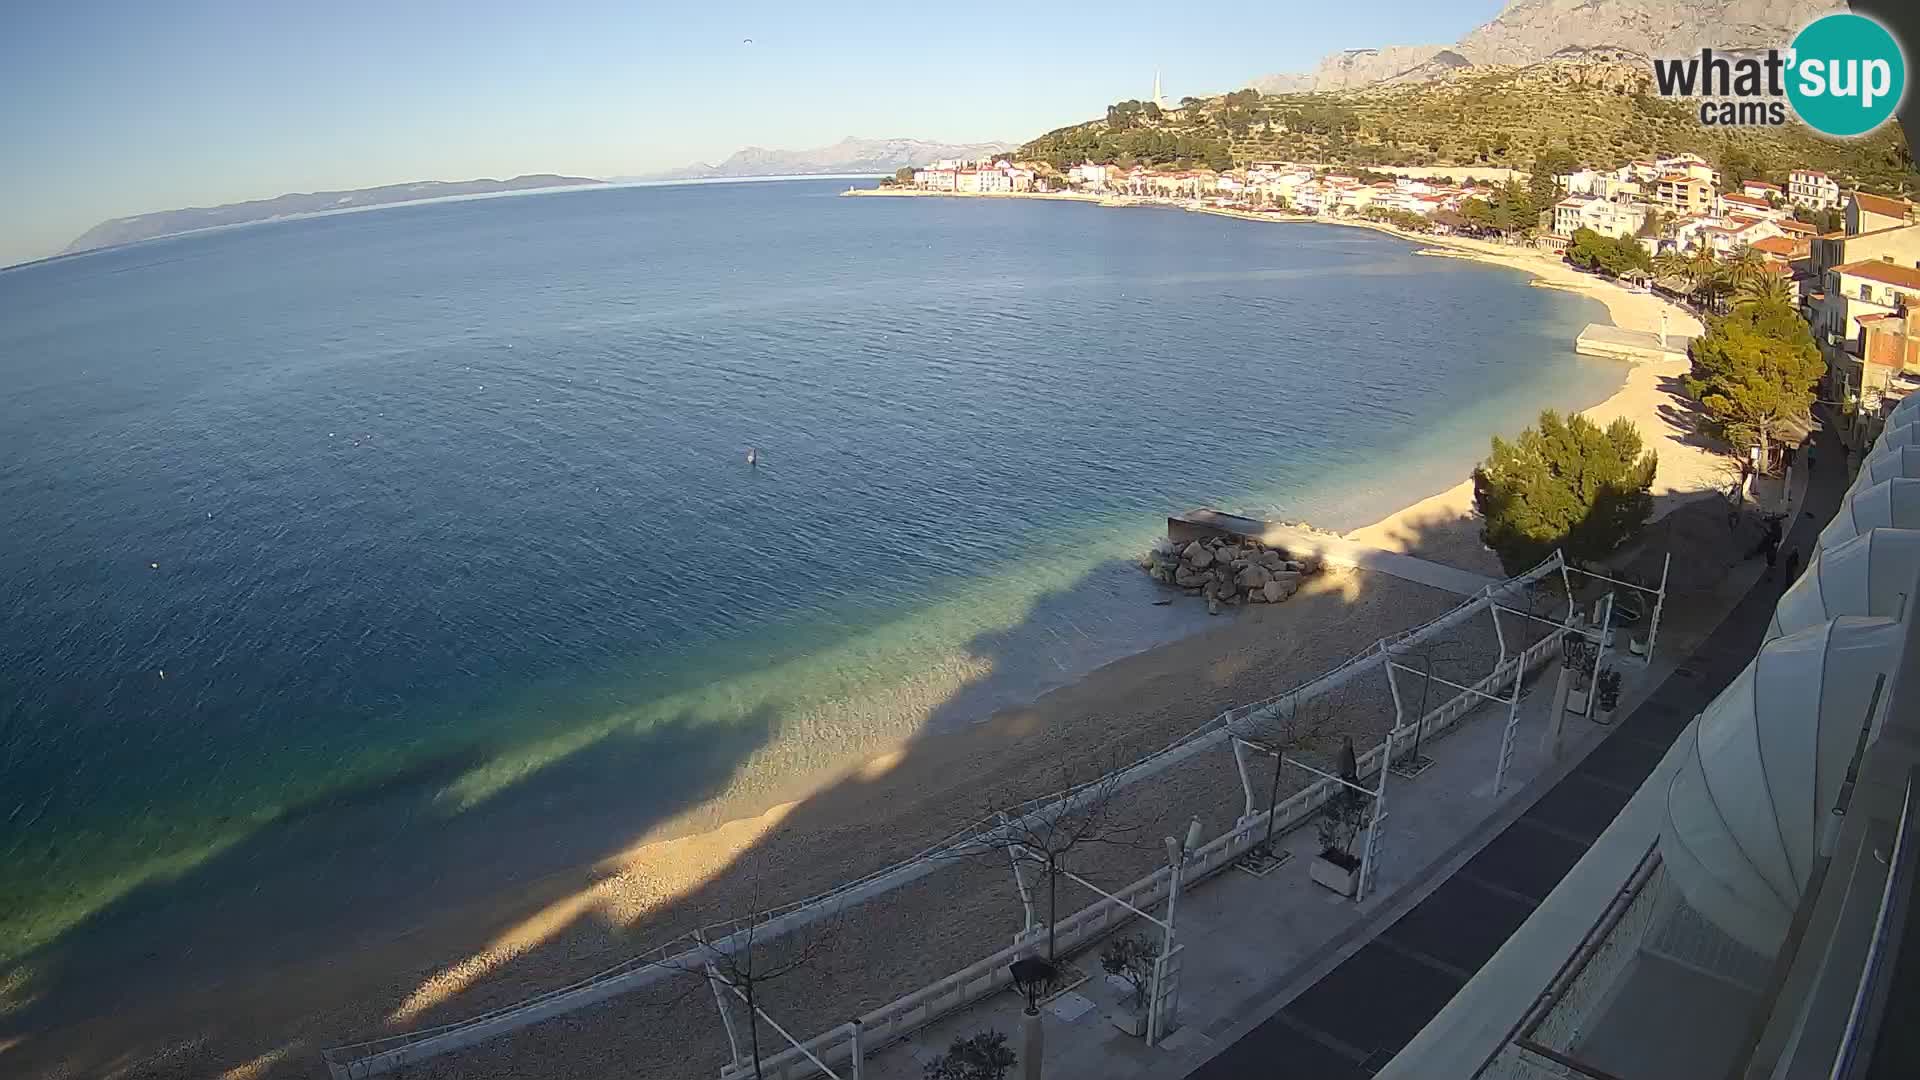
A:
{"points": [[1866, 291]]}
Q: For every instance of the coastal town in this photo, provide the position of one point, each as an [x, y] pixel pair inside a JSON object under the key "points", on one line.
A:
{"points": [[1848, 260]]}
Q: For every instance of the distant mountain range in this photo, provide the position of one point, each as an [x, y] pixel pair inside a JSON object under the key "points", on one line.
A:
{"points": [[168, 222], [849, 155], [1531, 31]]}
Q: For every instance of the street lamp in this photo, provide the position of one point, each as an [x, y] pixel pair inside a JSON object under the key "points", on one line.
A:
{"points": [[1033, 975]]}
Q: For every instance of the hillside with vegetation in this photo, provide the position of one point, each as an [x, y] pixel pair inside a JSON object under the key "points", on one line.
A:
{"points": [[1601, 113]]}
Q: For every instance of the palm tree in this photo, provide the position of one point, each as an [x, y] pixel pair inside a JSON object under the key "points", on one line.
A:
{"points": [[1706, 276], [1769, 288], [1670, 266], [1746, 265]]}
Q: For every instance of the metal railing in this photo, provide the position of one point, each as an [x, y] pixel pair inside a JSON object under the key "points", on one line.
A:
{"points": [[1871, 998]]}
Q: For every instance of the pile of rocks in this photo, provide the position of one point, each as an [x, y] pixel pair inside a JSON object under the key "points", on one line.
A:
{"points": [[1228, 571]]}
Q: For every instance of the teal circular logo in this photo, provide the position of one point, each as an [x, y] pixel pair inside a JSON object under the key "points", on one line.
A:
{"points": [[1846, 75]]}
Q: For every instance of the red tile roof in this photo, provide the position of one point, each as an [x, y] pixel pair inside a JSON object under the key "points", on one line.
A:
{"points": [[1875, 204], [1903, 277], [1797, 227], [1779, 245], [1746, 200]]}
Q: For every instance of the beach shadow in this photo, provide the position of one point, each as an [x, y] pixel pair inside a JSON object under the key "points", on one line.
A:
{"points": [[1686, 422], [352, 873], [296, 941]]}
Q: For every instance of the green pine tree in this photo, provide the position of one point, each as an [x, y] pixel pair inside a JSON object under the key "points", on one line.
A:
{"points": [[1568, 484], [1754, 373]]}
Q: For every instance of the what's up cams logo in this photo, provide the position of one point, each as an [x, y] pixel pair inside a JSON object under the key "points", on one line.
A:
{"points": [[1844, 75]]}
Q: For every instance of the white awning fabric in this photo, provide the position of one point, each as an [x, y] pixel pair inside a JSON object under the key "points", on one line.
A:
{"points": [[1888, 504], [1870, 574], [1746, 810], [1888, 463], [1904, 411], [1907, 434]]}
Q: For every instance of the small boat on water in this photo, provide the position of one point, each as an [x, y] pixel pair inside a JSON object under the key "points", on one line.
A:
{"points": [[753, 456]]}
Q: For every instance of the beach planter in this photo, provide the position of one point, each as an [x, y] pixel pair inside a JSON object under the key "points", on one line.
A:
{"points": [[1336, 870], [1606, 695], [1129, 964]]}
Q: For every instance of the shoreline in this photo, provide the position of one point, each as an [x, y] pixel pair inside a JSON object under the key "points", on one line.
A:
{"points": [[1442, 525], [578, 920]]}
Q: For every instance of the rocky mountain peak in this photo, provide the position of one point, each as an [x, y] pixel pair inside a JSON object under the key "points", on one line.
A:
{"points": [[1532, 31]]}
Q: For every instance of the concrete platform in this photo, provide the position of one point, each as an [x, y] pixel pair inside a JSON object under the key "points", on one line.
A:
{"points": [[1638, 346], [1334, 550]]}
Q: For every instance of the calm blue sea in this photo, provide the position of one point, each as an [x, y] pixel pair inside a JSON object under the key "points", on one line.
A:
{"points": [[444, 508]]}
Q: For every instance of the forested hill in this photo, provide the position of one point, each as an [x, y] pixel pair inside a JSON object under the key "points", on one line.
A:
{"points": [[1602, 113], [168, 222]]}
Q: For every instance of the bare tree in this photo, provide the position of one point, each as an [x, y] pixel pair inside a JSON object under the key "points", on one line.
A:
{"points": [[1042, 834], [1293, 725], [1429, 655], [751, 952]]}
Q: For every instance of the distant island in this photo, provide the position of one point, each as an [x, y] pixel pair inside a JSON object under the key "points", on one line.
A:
{"points": [[168, 222], [849, 155]]}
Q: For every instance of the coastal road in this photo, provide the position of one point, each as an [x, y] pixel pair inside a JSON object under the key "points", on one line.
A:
{"points": [[1353, 1020]]}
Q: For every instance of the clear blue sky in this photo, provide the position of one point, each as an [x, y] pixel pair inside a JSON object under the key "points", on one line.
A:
{"points": [[124, 107]]}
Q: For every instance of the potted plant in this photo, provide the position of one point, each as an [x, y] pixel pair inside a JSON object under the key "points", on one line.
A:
{"points": [[1341, 817], [1606, 692], [980, 1056], [1131, 960]]}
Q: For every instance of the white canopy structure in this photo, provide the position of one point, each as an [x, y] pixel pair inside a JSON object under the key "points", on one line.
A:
{"points": [[1886, 463], [1907, 434], [1905, 411], [1870, 574], [1888, 504], [1749, 805]]}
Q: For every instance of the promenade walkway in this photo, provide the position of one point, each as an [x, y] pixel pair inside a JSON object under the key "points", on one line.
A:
{"points": [[1284, 979], [1352, 1018], [1339, 551]]}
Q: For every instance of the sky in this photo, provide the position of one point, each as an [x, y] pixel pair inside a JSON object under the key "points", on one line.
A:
{"points": [[119, 107]]}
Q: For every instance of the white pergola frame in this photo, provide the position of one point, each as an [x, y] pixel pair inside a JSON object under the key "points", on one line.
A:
{"points": [[715, 980], [1377, 813], [1659, 599], [1163, 989]]}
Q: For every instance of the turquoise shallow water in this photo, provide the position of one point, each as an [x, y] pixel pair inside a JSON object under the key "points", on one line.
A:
{"points": [[443, 509]]}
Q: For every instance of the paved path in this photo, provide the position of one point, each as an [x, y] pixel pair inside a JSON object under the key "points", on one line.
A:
{"points": [[1339, 551], [1354, 1019]]}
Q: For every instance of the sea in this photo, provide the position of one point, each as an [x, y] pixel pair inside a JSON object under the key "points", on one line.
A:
{"points": [[418, 549]]}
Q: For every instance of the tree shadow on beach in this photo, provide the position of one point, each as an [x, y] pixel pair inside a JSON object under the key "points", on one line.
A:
{"points": [[299, 939], [1686, 421], [354, 873]]}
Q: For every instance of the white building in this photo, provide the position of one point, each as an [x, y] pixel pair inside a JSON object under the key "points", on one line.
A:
{"points": [[1692, 165], [1749, 206], [1604, 216], [1622, 183], [935, 179], [1089, 174], [1813, 189]]}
